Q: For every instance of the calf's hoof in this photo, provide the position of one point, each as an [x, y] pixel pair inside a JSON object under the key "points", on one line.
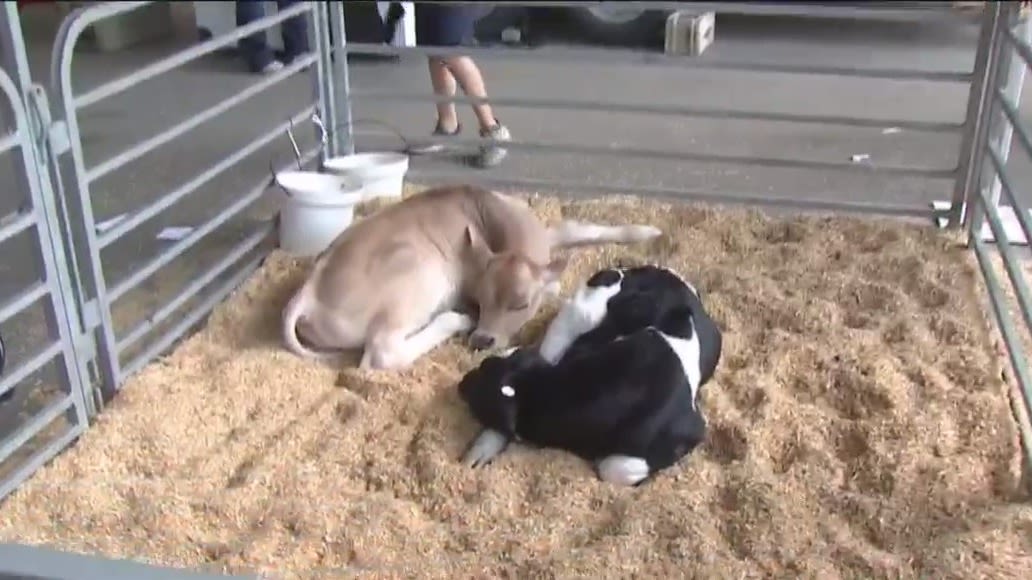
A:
{"points": [[484, 448], [623, 470]]}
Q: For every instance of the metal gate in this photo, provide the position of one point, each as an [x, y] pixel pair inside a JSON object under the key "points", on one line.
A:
{"points": [[121, 354], [42, 380], [78, 286]]}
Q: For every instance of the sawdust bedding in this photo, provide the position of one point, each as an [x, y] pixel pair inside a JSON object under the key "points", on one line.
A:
{"points": [[859, 427]]}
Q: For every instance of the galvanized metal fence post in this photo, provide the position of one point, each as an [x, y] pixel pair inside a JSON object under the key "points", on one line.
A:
{"points": [[71, 171], [325, 89], [342, 130], [974, 119]]}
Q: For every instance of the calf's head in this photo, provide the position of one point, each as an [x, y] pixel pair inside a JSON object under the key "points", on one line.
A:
{"points": [[489, 392], [509, 289]]}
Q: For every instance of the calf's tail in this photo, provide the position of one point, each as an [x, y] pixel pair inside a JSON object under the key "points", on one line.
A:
{"points": [[295, 309]]}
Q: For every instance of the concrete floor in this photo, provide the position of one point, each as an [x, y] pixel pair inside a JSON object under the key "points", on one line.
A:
{"points": [[115, 124]]}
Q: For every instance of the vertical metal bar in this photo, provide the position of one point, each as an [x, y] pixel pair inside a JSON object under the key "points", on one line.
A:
{"points": [[342, 131], [64, 312], [1007, 74], [12, 49], [968, 163], [325, 90], [72, 171], [33, 180]]}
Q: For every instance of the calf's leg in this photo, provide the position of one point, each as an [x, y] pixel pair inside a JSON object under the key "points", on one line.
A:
{"points": [[390, 347], [484, 448], [623, 470], [569, 233]]}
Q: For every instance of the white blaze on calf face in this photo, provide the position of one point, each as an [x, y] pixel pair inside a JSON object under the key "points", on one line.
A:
{"points": [[580, 314], [688, 351], [508, 391]]}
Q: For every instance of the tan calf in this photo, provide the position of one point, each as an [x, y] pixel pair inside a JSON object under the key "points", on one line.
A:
{"points": [[391, 282]]}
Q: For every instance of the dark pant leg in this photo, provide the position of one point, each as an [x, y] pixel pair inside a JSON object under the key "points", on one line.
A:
{"points": [[295, 32], [254, 48]]}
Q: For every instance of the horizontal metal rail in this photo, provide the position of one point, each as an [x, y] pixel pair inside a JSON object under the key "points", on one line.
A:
{"points": [[23, 300], [614, 57], [922, 11], [701, 112], [180, 58], [563, 188], [39, 459], [164, 202], [177, 249], [195, 287], [38, 562], [33, 427], [9, 141], [1015, 350], [193, 317], [16, 376], [148, 145], [659, 154], [1015, 121], [1020, 46], [13, 227], [996, 157]]}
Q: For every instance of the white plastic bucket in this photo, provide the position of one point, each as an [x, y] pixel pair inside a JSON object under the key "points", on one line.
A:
{"points": [[316, 209], [382, 173]]}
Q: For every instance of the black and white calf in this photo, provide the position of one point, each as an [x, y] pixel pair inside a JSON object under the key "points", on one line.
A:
{"points": [[614, 381]]}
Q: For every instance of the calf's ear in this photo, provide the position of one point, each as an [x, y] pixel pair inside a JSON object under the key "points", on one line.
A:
{"points": [[477, 247]]}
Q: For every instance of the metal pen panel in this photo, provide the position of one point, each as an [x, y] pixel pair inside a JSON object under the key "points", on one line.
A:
{"points": [[97, 300], [39, 219]]}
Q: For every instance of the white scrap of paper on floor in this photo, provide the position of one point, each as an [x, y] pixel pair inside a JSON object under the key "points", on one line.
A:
{"points": [[857, 158], [175, 233], [891, 130], [110, 222], [1009, 219]]}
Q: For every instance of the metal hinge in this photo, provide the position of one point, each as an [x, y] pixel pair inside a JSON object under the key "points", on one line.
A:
{"points": [[85, 341], [91, 315]]}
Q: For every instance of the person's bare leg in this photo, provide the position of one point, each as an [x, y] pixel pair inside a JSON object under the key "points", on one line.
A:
{"points": [[444, 86], [447, 119], [467, 73]]}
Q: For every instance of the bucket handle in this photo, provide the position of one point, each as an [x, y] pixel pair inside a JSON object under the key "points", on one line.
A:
{"points": [[407, 146], [324, 136], [297, 150]]}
